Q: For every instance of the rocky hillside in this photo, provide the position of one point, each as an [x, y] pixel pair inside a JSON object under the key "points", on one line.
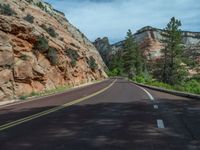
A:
{"points": [[40, 50], [148, 39]]}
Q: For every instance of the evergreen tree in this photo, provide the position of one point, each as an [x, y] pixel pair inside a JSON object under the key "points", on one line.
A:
{"points": [[116, 64], [172, 68], [132, 57]]}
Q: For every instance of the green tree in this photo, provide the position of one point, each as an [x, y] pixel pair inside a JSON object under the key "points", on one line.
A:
{"points": [[132, 57], [171, 66], [116, 64]]}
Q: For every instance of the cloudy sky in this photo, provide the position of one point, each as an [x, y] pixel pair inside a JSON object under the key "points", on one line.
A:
{"points": [[112, 18]]}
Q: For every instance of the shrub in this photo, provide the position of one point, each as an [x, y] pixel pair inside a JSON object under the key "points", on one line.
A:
{"points": [[41, 44], [40, 5], [52, 55], [23, 97], [29, 18], [114, 72], [61, 38], [140, 79], [5, 9], [29, 1], [50, 31], [92, 63], [73, 63], [192, 86], [73, 55], [24, 57]]}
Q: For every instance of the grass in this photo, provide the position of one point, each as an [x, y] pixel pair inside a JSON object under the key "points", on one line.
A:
{"points": [[190, 86], [58, 89]]}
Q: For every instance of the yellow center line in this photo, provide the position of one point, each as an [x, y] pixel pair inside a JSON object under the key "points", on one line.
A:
{"points": [[46, 112]]}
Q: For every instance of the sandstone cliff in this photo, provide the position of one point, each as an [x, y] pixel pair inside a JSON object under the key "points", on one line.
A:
{"points": [[148, 39], [40, 50]]}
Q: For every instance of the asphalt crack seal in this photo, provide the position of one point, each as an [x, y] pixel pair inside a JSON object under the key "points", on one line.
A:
{"points": [[46, 112]]}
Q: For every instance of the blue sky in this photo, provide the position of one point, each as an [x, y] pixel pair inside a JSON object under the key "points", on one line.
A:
{"points": [[112, 18]]}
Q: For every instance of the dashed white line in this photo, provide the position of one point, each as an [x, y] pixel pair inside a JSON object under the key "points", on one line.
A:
{"points": [[155, 106], [160, 123]]}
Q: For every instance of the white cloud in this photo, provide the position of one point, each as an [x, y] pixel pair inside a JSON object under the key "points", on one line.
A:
{"points": [[112, 18]]}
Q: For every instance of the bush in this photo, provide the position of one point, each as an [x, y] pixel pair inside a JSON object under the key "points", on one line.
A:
{"points": [[5, 9], [192, 86], [41, 44], [29, 18], [23, 97], [92, 63], [140, 79], [73, 55], [29, 1], [52, 56], [50, 31], [40, 5], [24, 57], [115, 72]]}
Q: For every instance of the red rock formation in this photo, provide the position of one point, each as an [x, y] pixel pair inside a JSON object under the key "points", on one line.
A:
{"points": [[24, 69]]}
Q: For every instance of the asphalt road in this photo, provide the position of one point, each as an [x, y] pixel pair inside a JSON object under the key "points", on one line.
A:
{"points": [[111, 115]]}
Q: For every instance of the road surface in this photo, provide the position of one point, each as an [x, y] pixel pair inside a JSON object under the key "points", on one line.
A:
{"points": [[112, 115]]}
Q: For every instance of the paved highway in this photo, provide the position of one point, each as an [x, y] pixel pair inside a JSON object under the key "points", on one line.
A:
{"points": [[112, 115]]}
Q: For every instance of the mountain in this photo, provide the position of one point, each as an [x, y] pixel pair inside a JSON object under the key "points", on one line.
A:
{"points": [[41, 50], [149, 39]]}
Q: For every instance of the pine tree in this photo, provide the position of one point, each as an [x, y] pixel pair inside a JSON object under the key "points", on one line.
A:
{"points": [[173, 71], [116, 64], [132, 57]]}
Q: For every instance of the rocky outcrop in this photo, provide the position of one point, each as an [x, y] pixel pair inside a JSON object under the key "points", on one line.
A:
{"points": [[149, 39], [104, 48], [25, 68]]}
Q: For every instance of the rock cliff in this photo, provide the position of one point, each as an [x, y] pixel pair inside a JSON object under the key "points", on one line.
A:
{"points": [[149, 39], [40, 50]]}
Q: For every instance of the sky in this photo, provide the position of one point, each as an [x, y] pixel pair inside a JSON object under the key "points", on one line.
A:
{"points": [[113, 18]]}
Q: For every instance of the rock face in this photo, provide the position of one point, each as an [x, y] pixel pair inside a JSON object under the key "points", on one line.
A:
{"points": [[104, 48], [25, 68], [148, 39]]}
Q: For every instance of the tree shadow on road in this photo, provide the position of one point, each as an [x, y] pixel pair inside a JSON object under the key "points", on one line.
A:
{"points": [[101, 126]]}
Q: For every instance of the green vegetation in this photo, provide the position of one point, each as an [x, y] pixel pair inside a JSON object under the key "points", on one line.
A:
{"points": [[92, 63], [23, 97], [190, 85], [169, 72], [132, 57], [73, 55], [52, 55], [5, 9], [41, 44], [29, 1], [171, 68], [116, 65], [58, 89], [24, 57], [50, 30], [40, 5], [29, 18], [129, 62]]}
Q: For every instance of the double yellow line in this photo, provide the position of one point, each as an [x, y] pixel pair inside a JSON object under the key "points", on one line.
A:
{"points": [[46, 112]]}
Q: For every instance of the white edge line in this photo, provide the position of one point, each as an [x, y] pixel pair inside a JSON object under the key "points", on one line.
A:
{"points": [[150, 96], [160, 124]]}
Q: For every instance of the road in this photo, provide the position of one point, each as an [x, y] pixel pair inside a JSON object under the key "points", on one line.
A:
{"points": [[111, 115]]}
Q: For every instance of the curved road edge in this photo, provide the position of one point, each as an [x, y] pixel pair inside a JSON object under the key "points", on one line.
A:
{"points": [[46, 112], [177, 93]]}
